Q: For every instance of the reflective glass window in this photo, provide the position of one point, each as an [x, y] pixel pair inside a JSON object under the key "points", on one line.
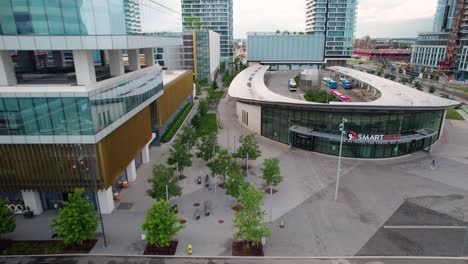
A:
{"points": [[7, 20], [71, 115], [57, 116], [38, 17], [101, 11], [54, 17], [86, 13], [70, 17], [22, 17], [43, 116], [29, 116], [117, 16]]}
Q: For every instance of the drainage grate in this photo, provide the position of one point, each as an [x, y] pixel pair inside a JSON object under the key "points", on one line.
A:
{"points": [[124, 206]]}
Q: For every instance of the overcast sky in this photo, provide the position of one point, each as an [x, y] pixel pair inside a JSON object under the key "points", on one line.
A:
{"points": [[377, 18]]}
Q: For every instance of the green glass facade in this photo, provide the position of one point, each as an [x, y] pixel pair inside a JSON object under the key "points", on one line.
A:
{"points": [[76, 115], [69, 17], [277, 121]]}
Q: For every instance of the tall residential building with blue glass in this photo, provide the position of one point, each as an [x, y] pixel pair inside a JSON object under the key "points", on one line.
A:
{"points": [[213, 15], [79, 105], [336, 20]]}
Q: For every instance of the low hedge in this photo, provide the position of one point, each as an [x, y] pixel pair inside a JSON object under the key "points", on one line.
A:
{"points": [[176, 123]]}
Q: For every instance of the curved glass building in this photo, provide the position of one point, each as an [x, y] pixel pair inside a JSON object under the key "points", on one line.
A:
{"points": [[400, 121]]}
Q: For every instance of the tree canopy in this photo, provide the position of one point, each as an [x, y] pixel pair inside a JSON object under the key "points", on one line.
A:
{"points": [[208, 146], [249, 221], [223, 163], [163, 176], [271, 172], [77, 221], [161, 224], [179, 154], [235, 184], [248, 148]]}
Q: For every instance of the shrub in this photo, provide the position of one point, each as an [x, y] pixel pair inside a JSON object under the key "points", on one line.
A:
{"points": [[203, 107], [432, 89], [320, 97], [7, 219]]}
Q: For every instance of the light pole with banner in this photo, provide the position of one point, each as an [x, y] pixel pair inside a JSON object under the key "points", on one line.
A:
{"points": [[342, 132]]}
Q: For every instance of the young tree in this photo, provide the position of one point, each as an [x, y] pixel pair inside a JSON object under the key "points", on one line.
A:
{"points": [[7, 219], [163, 176], [208, 146], [235, 184], [249, 220], [77, 220], [223, 163], [161, 224], [249, 149], [203, 107], [214, 85], [188, 137], [179, 156], [271, 172]]}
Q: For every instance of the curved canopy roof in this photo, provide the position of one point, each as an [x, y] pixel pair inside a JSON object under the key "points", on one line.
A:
{"points": [[249, 86]]}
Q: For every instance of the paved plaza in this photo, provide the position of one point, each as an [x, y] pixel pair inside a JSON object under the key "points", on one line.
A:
{"points": [[371, 192]]}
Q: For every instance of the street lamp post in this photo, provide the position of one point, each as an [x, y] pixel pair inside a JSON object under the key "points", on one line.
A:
{"points": [[342, 132]]}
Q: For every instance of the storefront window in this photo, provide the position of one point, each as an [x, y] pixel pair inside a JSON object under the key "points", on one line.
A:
{"points": [[277, 121]]}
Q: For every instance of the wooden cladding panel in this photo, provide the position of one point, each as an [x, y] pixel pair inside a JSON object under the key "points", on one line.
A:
{"points": [[48, 167], [120, 147], [174, 95]]}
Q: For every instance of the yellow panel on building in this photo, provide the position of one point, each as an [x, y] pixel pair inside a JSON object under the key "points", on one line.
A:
{"points": [[175, 93], [120, 147]]}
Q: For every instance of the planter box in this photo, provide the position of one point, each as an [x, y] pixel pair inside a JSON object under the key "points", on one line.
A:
{"points": [[242, 248], [169, 250]]}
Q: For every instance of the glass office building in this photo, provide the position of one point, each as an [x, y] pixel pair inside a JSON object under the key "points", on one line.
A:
{"points": [[336, 20], [68, 115], [70, 17], [445, 13], [317, 131], [213, 15]]}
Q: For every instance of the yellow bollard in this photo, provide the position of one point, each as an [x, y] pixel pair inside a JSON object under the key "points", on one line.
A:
{"points": [[189, 249]]}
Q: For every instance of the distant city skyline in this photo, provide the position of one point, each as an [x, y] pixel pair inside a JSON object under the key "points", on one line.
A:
{"points": [[378, 19]]}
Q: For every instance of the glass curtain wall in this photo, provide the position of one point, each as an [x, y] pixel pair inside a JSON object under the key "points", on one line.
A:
{"points": [[277, 121], [66, 17], [76, 115]]}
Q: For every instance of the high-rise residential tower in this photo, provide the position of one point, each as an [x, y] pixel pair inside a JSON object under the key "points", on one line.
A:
{"points": [[336, 20], [213, 15], [445, 13]]}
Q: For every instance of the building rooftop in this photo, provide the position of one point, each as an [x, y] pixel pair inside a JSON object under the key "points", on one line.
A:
{"points": [[170, 76], [249, 86]]}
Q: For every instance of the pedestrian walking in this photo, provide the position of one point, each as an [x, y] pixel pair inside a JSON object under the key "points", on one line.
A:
{"points": [[433, 164]]}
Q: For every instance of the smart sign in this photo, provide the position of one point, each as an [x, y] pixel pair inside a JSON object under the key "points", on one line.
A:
{"points": [[370, 138]]}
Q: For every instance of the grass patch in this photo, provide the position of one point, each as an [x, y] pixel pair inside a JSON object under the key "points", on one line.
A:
{"points": [[454, 115], [199, 87], [359, 61], [208, 124], [176, 123], [214, 95], [459, 88], [320, 96]]}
